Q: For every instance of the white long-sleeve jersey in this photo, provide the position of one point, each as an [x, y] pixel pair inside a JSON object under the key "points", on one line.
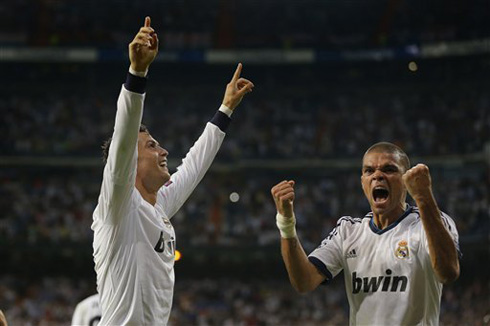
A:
{"points": [[134, 241]]}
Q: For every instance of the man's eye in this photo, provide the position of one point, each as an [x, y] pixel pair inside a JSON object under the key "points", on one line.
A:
{"points": [[391, 169]]}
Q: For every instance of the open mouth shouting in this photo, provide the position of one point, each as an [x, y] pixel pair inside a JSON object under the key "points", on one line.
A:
{"points": [[380, 194]]}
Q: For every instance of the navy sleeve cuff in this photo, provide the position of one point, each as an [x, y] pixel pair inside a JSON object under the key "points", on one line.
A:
{"points": [[322, 268], [221, 120], [135, 84]]}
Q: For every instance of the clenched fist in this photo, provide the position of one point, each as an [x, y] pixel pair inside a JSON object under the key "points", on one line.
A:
{"points": [[418, 181], [283, 194]]}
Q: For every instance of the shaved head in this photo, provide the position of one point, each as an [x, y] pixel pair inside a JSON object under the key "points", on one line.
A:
{"points": [[386, 147]]}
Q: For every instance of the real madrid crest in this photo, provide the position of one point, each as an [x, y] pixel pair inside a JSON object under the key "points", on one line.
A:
{"points": [[402, 251]]}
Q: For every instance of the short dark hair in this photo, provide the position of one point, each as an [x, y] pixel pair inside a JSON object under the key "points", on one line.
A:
{"points": [[386, 147], [105, 146]]}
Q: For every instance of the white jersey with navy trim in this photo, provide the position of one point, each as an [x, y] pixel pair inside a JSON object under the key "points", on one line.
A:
{"points": [[388, 274], [134, 242], [87, 312]]}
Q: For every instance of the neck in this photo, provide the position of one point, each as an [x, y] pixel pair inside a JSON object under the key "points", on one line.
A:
{"points": [[148, 194], [149, 197], [384, 220]]}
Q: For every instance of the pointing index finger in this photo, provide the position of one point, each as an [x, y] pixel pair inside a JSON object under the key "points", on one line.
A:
{"points": [[238, 71], [147, 21]]}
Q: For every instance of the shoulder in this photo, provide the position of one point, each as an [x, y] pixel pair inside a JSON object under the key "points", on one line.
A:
{"points": [[449, 223], [445, 217], [414, 215], [447, 220], [350, 221], [347, 224]]}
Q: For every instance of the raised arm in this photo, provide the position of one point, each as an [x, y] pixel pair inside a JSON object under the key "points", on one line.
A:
{"points": [[199, 158], [304, 276], [120, 170], [142, 52], [442, 249]]}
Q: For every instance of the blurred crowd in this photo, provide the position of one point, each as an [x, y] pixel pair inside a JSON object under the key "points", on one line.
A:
{"points": [[303, 122], [229, 302], [296, 117], [231, 209], [242, 23], [278, 132]]}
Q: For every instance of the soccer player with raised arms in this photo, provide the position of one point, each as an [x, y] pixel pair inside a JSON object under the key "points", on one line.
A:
{"points": [[395, 259], [134, 241]]}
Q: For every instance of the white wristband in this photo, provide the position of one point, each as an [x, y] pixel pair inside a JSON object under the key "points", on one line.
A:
{"points": [[226, 110], [286, 226], [138, 73]]}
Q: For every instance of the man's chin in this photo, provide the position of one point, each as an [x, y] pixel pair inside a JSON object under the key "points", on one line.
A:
{"points": [[166, 177], [386, 208], [379, 208], [162, 177]]}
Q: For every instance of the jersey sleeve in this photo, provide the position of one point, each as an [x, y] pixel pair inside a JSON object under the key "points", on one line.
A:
{"points": [[119, 175], [194, 166], [327, 257]]}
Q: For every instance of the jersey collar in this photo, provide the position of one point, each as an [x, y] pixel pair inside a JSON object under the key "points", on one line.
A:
{"points": [[377, 230]]}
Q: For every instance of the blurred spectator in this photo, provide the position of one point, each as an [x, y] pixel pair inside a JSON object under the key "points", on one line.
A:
{"points": [[208, 302], [55, 205], [321, 123]]}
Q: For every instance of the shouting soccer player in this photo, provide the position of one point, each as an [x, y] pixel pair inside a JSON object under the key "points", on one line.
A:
{"points": [[395, 259], [134, 241]]}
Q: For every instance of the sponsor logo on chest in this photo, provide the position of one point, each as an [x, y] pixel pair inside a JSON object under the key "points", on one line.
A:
{"points": [[167, 246], [166, 240], [383, 283]]}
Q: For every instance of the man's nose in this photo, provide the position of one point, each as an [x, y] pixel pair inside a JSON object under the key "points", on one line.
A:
{"points": [[163, 151], [378, 175]]}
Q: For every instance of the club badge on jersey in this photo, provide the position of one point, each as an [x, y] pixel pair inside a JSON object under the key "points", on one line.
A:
{"points": [[402, 251]]}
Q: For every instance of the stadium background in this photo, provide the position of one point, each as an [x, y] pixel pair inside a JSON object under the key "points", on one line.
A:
{"points": [[332, 77]]}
